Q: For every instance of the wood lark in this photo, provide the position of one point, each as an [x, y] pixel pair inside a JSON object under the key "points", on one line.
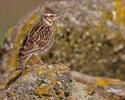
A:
{"points": [[38, 40]]}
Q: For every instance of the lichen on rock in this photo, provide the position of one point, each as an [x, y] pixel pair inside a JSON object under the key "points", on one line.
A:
{"points": [[57, 82], [86, 31], [89, 38], [47, 81]]}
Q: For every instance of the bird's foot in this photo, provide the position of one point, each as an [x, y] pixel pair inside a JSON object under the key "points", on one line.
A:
{"points": [[42, 63], [37, 64]]}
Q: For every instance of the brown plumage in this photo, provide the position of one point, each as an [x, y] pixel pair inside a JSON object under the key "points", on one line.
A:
{"points": [[38, 40]]}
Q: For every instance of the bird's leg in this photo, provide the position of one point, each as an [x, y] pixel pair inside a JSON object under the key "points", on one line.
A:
{"points": [[40, 60], [33, 63]]}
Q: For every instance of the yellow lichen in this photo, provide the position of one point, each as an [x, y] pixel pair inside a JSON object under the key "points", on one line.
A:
{"points": [[25, 71], [2, 85], [48, 74], [99, 25], [9, 33], [117, 97], [38, 71], [10, 93], [64, 69], [53, 82], [119, 10], [90, 91], [44, 90], [47, 68], [104, 81], [79, 80], [61, 92], [12, 76], [104, 15]]}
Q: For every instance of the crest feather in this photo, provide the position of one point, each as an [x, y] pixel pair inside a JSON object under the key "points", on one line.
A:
{"points": [[49, 10]]}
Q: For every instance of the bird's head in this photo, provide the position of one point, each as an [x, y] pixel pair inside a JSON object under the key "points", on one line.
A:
{"points": [[49, 15]]}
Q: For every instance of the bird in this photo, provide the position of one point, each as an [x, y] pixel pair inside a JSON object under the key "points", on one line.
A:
{"points": [[38, 40]]}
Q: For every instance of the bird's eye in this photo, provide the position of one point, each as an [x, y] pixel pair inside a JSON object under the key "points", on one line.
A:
{"points": [[51, 15]]}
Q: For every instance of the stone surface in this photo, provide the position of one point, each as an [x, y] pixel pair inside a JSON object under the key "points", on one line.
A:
{"points": [[56, 82], [89, 37], [41, 82], [101, 88]]}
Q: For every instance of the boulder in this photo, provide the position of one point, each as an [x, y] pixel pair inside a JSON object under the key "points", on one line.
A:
{"points": [[57, 82], [89, 37]]}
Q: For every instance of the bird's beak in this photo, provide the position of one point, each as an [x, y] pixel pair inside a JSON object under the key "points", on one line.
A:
{"points": [[57, 17]]}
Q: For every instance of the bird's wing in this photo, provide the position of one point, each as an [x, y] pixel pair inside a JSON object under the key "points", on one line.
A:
{"points": [[34, 40]]}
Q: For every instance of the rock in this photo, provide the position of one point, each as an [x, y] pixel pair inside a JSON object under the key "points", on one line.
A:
{"points": [[45, 82], [101, 85], [56, 82], [89, 38], [91, 33]]}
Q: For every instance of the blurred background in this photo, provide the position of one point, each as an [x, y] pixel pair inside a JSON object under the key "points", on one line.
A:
{"points": [[11, 11], [90, 38]]}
